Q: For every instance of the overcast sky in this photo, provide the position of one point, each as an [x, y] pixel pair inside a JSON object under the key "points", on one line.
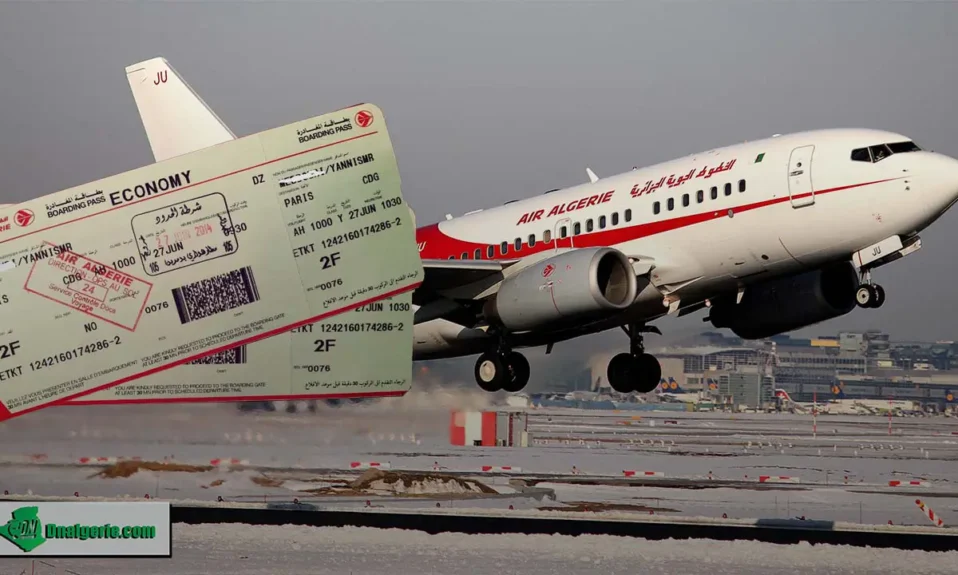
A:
{"points": [[488, 102]]}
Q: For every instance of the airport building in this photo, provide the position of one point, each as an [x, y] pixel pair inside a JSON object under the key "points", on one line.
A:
{"points": [[850, 366]]}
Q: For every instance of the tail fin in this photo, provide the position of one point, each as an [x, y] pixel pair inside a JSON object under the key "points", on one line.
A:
{"points": [[177, 121]]}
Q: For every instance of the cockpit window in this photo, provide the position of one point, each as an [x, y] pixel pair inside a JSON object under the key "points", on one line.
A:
{"points": [[861, 155], [879, 152], [901, 147]]}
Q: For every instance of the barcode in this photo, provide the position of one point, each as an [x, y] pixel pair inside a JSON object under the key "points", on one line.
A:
{"points": [[215, 295], [234, 355]]}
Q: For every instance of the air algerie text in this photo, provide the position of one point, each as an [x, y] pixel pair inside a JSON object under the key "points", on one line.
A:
{"points": [[559, 209], [151, 188]]}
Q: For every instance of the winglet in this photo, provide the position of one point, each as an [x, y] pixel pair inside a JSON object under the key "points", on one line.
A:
{"points": [[592, 177], [177, 121]]}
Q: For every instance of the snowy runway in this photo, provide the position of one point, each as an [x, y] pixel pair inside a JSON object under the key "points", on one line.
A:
{"points": [[245, 550]]}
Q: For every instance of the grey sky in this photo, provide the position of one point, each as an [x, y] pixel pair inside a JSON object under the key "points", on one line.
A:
{"points": [[488, 102]]}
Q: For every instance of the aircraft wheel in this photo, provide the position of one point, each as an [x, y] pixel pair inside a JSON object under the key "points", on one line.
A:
{"points": [[519, 372], [649, 373], [622, 372], [491, 372], [865, 296], [879, 296]]}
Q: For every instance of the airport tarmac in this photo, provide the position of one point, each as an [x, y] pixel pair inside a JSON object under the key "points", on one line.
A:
{"points": [[307, 457]]}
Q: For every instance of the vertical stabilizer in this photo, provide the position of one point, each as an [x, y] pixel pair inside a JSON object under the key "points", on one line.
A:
{"points": [[177, 121]]}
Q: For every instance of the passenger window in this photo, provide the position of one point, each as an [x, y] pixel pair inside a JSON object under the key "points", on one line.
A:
{"points": [[576, 229], [588, 225], [615, 218], [671, 204], [465, 256], [741, 185], [532, 240], [728, 189], [503, 248], [547, 236], [714, 193], [452, 257], [879, 153], [491, 252], [628, 215], [563, 232], [685, 200], [601, 222], [700, 196], [518, 243], [477, 254], [656, 208], [861, 155]]}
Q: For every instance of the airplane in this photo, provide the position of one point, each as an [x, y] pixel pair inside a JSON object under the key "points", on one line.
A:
{"points": [[768, 236]]}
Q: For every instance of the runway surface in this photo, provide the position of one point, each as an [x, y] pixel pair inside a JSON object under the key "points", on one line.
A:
{"points": [[843, 473], [245, 550]]}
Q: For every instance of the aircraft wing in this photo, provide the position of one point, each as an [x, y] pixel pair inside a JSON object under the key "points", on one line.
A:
{"points": [[451, 274]]}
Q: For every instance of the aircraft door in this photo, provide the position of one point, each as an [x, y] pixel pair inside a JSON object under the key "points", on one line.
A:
{"points": [[563, 234], [800, 188]]}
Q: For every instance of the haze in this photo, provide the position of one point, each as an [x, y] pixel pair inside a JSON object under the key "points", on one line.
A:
{"points": [[488, 102]]}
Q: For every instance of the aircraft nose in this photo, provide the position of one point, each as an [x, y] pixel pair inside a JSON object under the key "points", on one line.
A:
{"points": [[943, 181]]}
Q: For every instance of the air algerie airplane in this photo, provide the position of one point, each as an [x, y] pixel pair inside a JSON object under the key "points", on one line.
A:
{"points": [[770, 236]]}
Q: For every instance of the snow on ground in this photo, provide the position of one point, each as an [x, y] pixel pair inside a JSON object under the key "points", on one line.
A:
{"points": [[412, 433], [263, 550]]}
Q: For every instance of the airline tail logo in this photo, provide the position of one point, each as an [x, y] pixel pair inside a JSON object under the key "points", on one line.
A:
{"points": [[422, 246], [782, 394], [671, 386]]}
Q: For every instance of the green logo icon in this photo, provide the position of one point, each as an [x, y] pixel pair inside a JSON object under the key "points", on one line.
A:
{"points": [[24, 530]]}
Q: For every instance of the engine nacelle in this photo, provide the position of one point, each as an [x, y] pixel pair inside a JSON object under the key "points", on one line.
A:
{"points": [[574, 286], [789, 303]]}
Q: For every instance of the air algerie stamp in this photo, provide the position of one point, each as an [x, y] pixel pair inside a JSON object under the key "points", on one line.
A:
{"points": [[91, 287]]}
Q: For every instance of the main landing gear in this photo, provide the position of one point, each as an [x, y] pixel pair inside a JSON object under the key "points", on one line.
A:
{"points": [[502, 369], [635, 371], [869, 295]]}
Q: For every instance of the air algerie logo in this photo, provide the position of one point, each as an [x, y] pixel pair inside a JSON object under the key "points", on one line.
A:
{"points": [[364, 118], [24, 530], [23, 218]]}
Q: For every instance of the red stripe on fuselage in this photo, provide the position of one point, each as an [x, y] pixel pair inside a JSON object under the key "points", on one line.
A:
{"points": [[440, 246]]}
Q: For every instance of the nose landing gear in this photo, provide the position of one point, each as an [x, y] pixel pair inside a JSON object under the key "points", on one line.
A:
{"points": [[869, 295], [635, 371]]}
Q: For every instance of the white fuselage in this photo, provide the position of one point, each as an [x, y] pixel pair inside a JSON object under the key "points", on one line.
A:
{"points": [[720, 219]]}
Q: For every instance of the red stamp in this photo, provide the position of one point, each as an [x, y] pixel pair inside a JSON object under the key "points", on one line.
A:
{"points": [[90, 287]]}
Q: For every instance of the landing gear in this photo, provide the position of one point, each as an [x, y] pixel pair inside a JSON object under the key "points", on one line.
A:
{"points": [[502, 370], [634, 371], [869, 295]]}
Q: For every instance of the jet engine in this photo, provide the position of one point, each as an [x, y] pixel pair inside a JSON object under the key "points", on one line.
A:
{"points": [[789, 303], [578, 285]]}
